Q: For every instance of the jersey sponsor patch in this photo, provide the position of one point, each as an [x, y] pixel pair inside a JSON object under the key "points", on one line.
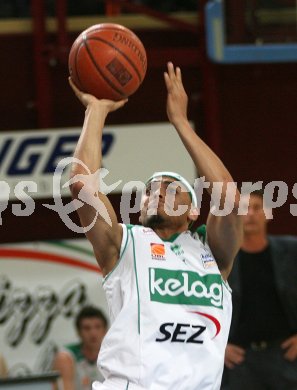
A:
{"points": [[185, 288], [207, 260], [148, 231], [179, 252], [181, 333], [157, 251], [177, 249]]}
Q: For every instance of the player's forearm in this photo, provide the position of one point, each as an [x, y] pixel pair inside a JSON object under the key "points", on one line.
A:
{"points": [[89, 146], [206, 161]]}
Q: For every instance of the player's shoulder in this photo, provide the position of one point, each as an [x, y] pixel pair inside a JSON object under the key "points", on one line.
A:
{"points": [[283, 238], [128, 226], [75, 350], [126, 229], [137, 229], [200, 234], [285, 241]]}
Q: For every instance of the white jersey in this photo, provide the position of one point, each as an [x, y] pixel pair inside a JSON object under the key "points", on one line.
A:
{"points": [[86, 372], [170, 313]]}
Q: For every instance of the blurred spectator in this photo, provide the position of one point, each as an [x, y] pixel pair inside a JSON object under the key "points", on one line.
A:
{"points": [[262, 349], [3, 367], [77, 363]]}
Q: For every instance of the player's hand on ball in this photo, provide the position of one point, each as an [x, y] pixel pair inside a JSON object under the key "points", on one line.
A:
{"points": [[108, 61], [87, 99]]}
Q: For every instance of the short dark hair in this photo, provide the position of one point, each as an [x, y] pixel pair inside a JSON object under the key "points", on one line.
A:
{"points": [[249, 191], [90, 311], [259, 193]]}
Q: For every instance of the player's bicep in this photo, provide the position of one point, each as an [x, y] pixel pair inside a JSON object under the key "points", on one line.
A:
{"points": [[101, 226], [106, 244], [224, 235]]}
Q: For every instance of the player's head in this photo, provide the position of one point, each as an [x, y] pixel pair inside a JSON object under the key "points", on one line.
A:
{"points": [[91, 325], [169, 200], [255, 221]]}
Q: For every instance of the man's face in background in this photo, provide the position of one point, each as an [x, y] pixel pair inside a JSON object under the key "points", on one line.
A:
{"points": [[92, 331], [255, 221]]}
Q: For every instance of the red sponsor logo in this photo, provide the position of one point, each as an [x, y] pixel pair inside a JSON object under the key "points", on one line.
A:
{"points": [[157, 251]]}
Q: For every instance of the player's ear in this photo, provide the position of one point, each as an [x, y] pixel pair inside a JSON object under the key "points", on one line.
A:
{"points": [[268, 213], [194, 214], [140, 219]]}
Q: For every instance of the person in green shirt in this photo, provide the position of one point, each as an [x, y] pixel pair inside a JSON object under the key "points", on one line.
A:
{"points": [[77, 363]]}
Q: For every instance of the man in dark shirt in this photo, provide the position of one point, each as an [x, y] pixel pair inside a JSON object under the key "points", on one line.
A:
{"points": [[262, 348]]}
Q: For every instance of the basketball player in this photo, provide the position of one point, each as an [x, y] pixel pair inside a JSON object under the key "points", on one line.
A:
{"points": [[169, 302]]}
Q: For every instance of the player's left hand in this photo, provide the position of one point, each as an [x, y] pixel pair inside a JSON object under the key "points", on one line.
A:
{"points": [[177, 99], [290, 347]]}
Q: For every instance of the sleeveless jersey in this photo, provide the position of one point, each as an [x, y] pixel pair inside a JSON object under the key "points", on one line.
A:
{"points": [[170, 313], [86, 372]]}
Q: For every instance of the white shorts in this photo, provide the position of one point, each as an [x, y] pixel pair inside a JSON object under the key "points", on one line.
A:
{"points": [[116, 384]]}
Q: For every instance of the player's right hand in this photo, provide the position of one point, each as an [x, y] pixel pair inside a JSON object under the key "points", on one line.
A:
{"points": [[87, 99], [234, 355]]}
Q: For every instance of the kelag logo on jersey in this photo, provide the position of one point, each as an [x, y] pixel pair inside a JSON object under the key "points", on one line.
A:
{"points": [[185, 288]]}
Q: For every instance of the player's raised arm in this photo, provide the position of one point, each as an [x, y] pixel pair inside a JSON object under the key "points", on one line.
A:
{"points": [[105, 233], [224, 233]]}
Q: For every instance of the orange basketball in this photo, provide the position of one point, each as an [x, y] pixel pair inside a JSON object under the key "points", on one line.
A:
{"points": [[108, 61]]}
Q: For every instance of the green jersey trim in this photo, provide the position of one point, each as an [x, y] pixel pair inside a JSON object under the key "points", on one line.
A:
{"points": [[136, 279], [172, 238], [75, 350], [201, 231], [226, 284]]}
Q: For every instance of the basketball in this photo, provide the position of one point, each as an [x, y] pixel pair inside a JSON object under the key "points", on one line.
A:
{"points": [[108, 61]]}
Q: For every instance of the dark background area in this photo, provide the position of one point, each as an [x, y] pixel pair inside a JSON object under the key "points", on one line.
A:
{"points": [[252, 108]]}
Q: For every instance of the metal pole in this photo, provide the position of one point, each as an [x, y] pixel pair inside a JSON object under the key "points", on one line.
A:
{"points": [[62, 37], [41, 67], [210, 98]]}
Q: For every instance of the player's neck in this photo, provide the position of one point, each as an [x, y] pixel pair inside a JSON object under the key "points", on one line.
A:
{"points": [[90, 353], [165, 233], [254, 242]]}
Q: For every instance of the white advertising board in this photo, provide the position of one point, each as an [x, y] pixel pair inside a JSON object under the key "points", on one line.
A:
{"points": [[130, 153]]}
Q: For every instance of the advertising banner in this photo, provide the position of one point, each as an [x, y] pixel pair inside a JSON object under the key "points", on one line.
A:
{"points": [[43, 285], [29, 159]]}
